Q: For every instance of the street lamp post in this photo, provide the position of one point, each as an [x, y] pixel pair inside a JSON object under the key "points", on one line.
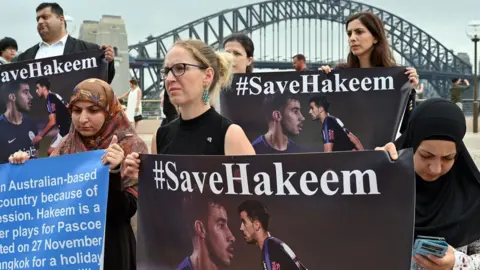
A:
{"points": [[71, 26], [473, 32]]}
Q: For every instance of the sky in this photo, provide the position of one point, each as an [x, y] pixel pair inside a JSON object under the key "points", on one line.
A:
{"points": [[447, 23]]}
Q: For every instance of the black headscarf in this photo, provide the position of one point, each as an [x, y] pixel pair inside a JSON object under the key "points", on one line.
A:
{"points": [[450, 206]]}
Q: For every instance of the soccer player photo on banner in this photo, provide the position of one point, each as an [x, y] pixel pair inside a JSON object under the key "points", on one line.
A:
{"points": [[292, 112], [53, 212], [34, 95], [296, 211]]}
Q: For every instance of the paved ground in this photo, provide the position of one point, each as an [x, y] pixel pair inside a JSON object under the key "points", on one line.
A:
{"points": [[472, 141], [147, 138]]}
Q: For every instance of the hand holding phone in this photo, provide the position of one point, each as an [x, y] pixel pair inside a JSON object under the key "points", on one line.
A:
{"points": [[426, 245]]}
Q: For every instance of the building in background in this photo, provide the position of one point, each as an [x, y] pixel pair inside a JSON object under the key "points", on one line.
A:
{"points": [[111, 30], [465, 57]]}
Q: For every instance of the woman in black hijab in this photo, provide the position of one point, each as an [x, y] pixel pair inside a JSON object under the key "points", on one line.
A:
{"points": [[447, 183]]}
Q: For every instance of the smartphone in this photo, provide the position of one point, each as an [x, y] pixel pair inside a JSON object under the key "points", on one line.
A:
{"points": [[428, 245]]}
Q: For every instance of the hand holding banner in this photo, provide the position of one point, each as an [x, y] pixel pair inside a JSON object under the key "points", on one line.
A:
{"points": [[53, 212], [114, 154], [298, 211], [292, 112]]}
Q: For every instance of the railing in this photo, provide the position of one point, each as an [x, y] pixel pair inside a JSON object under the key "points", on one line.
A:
{"points": [[151, 107]]}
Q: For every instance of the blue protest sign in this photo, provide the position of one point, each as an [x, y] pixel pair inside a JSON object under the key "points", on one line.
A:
{"points": [[53, 212]]}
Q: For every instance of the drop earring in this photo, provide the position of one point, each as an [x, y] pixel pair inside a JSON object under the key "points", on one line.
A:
{"points": [[205, 96]]}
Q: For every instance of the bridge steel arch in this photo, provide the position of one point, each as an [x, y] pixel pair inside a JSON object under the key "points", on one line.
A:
{"points": [[435, 63]]}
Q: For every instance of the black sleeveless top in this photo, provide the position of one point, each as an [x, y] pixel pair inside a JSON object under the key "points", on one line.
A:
{"points": [[203, 135]]}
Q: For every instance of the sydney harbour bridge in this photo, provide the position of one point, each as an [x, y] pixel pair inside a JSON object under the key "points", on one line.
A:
{"points": [[282, 28]]}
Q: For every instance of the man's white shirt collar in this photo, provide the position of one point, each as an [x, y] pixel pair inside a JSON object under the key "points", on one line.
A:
{"points": [[62, 42]]}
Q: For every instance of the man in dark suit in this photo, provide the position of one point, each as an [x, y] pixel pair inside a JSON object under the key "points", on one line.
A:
{"points": [[52, 28]]}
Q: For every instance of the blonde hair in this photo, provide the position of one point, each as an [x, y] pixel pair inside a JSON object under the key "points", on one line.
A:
{"points": [[220, 62]]}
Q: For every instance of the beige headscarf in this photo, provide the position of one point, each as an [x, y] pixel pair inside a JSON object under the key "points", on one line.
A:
{"points": [[116, 123]]}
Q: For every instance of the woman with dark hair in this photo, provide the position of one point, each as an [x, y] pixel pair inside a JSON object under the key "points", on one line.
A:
{"points": [[447, 184], [368, 42], [369, 48], [8, 50], [241, 46]]}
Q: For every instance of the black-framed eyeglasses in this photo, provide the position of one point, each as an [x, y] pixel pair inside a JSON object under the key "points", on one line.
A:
{"points": [[178, 69]]}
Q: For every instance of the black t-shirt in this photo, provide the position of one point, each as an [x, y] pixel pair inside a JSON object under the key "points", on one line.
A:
{"points": [[278, 255], [203, 135], [15, 138], [335, 132], [56, 105]]}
